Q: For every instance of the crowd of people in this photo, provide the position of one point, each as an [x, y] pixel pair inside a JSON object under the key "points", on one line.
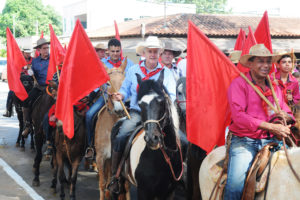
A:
{"points": [[250, 127]]}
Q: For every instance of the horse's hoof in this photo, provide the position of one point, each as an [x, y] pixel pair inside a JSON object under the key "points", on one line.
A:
{"points": [[22, 149], [53, 190], [35, 183], [47, 158], [17, 144]]}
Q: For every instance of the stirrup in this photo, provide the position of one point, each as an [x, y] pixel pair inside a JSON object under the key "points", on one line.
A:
{"points": [[113, 182], [87, 151]]}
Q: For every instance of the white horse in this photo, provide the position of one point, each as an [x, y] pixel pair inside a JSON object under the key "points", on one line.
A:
{"points": [[282, 182]]}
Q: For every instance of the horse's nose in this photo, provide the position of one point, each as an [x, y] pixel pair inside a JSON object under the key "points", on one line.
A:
{"points": [[146, 138]]}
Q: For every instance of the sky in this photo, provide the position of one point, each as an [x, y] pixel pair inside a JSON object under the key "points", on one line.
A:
{"points": [[287, 9]]}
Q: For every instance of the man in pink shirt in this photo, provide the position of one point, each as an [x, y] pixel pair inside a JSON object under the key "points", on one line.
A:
{"points": [[250, 115]]}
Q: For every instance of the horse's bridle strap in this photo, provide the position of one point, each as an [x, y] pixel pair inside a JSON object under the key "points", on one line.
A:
{"points": [[155, 121]]}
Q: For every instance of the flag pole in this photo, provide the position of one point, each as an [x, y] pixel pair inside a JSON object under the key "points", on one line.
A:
{"points": [[58, 76], [274, 94], [123, 106]]}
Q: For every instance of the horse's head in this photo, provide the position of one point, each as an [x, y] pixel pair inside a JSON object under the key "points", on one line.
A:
{"points": [[116, 76], [181, 96], [155, 110], [27, 81], [52, 88]]}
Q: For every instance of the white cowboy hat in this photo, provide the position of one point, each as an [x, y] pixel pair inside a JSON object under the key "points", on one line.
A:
{"points": [[100, 46], [235, 55], [152, 42], [256, 50], [40, 42], [26, 49], [169, 46]]}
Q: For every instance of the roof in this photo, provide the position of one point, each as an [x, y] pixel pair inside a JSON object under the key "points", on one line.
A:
{"points": [[211, 25]]}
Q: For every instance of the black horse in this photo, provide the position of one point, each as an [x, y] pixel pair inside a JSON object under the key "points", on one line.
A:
{"points": [[28, 83], [160, 165], [69, 152]]}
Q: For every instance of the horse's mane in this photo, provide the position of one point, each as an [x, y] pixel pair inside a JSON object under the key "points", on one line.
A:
{"points": [[182, 80]]}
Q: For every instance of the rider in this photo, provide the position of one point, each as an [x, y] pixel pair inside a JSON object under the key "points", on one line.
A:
{"points": [[286, 81], [40, 69], [170, 52], [114, 60], [249, 118], [150, 68]]}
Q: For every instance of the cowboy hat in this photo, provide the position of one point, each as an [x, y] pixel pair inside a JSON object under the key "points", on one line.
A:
{"points": [[280, 54], [256, 50], [100, 46], [168, 46], [234, 56], [41, 42], [151, 42], [26, 49]]}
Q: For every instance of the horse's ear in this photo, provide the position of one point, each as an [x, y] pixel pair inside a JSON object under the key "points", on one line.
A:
{"points": [[105, 67], [160, 79], [124, 64], [139, 78]]}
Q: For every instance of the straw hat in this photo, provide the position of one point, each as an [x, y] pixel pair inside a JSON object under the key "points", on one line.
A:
{"points": [[100, 46], [151, 42], [41, 42], [280, 54], [170, 47], [26, 49], [235, 55], [256, 50]]}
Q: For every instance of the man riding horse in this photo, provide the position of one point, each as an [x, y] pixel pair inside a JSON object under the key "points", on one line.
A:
{"points": [[249, 126], [40, 69], [150, 68]]}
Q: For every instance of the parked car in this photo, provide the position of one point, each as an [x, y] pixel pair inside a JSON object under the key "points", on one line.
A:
{"points": [[3, 69]]}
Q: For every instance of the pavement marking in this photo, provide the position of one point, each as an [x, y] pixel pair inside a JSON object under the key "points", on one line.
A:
{"points": [[19, 180]]}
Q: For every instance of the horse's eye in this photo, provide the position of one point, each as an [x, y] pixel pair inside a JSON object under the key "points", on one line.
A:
{"points": [[179, 93]]}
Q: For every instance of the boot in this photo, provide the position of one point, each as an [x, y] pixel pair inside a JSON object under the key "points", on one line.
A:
{"points": [[89, 153], [27, 119], [114, 183], [48, 151], [7, 114]]}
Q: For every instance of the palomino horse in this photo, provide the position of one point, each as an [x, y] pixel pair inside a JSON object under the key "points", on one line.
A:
{"points": [[107, 117], [40, 108], [156, 161], [27, 82], [282, 182], [69, 152]]}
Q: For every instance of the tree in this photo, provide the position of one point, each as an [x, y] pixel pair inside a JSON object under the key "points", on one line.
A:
{"points": [[203, 6], [26, 14]]}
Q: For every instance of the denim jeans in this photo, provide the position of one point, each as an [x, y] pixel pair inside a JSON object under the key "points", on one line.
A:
{"points": [[128, 126], [94, 109], [241, 154]]}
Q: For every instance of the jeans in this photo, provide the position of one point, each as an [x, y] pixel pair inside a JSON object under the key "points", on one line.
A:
{"points": [[47, 128], [241, 154], [94, 109], [126, 129], [9, 101]]}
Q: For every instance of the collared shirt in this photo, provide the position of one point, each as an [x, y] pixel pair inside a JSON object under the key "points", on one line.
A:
{"points": [[175, 72], [182, 67], [247, 112], [109, 65], [40, 69], [129, 85], [291, 84]]}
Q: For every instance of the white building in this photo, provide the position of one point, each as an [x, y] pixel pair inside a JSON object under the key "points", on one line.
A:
{"points": [[95, 14]]}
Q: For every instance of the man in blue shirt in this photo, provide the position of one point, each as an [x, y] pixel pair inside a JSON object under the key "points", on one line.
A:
{"points": [[114, 60], [150, 68], [40, 69]]}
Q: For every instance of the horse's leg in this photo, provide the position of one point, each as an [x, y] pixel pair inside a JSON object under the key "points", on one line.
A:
{"points": [[102, 175], [55, 168], [61, 175], [144, 195], [75, 166], [38, 158], [32, 141]]}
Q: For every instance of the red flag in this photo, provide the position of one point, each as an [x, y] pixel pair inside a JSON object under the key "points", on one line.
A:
{"points": [[37, 53], [57, 54], [250, 41], [15, 63], [263, 36], [118, 36], [81, 73], [209, 74], [240, 40]]}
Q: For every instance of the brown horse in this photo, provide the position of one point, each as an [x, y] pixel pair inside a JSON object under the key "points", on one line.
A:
{"points": [[40, 108], [107, 117], [69, 152]]}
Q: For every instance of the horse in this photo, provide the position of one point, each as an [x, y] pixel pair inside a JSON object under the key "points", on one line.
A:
{"points": [[69, 152], [282, 183], [40, 108], [28, 83], [107, 117], [155, 158], [194, 154]]}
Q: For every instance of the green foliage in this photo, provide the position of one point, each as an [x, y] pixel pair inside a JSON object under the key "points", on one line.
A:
{"points": [[27, 13], [2, 53], [203, 6]]}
